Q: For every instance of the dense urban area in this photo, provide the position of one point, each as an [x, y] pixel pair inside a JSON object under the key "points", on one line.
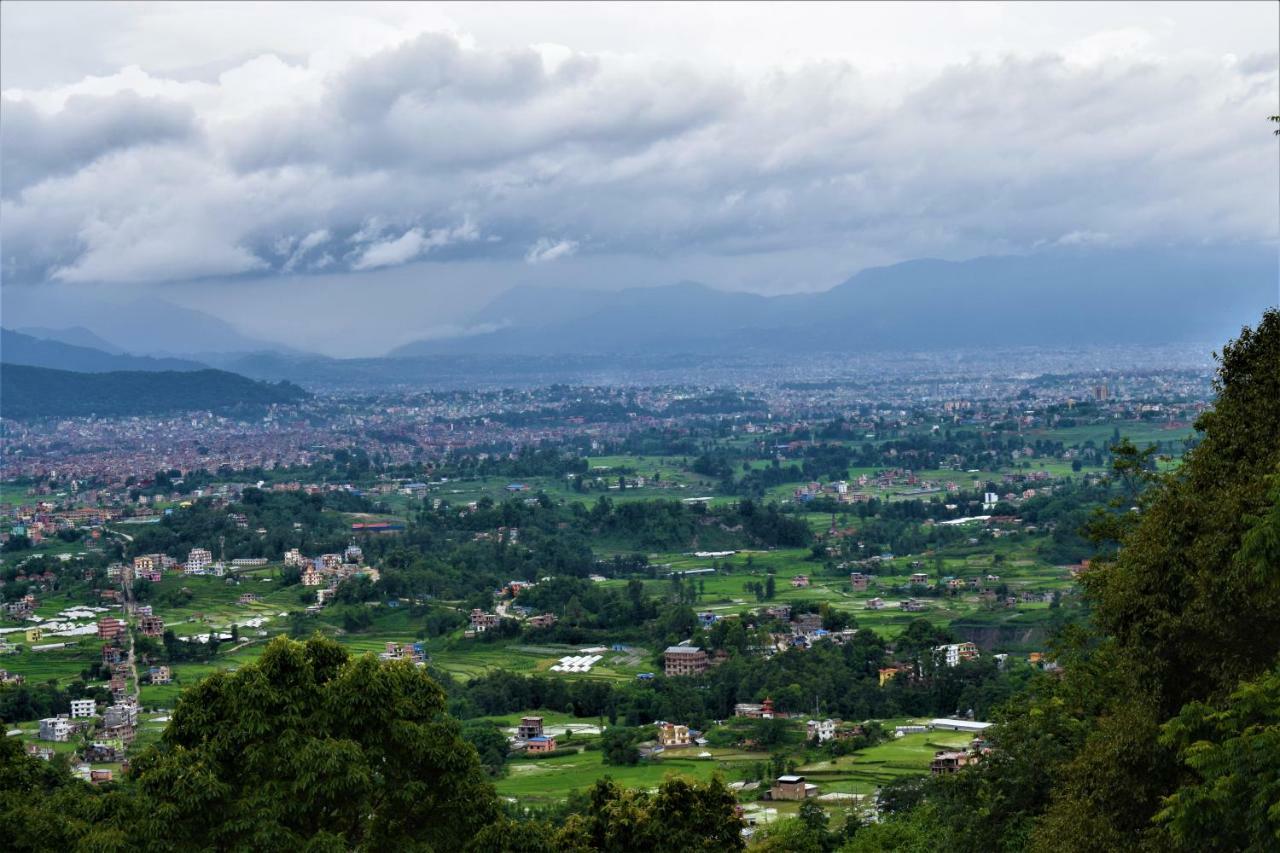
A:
{"points": [[810, 605]]}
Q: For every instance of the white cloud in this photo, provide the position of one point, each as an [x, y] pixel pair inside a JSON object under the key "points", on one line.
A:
{"points": [[164, 160], [412, 244], [546, 250], [305, 246]]}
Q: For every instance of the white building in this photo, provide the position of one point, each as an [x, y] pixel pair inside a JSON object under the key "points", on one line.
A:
{"points": [[953, 653], [81, 708], [823, 730], [198, 560], [55, 728]]}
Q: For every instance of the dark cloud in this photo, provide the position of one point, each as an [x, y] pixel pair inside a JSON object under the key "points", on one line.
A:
{"points": [[432, 149], [35, 145]]}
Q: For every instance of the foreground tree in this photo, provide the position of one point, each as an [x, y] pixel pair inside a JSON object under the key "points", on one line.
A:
{"points": [[1162, 732], [682, 816], [309, 748]]}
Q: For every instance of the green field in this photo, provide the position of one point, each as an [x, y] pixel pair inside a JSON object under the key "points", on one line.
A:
{"points": [[534, 780]]}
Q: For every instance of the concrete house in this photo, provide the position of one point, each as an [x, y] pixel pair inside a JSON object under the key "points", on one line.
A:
{"points": [[684, 660]]}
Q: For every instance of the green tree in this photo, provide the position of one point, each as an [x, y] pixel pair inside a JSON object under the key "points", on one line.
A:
{"points": [[1232, 800], [683, 816], [309, 747], [619, 745]]}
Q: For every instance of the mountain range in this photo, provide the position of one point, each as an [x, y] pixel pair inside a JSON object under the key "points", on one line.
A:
{"points": [[18, 348], [1058, 297], [143, 326]]}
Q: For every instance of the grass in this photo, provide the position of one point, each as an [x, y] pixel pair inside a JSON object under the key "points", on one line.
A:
{"points": [[533, 781], [552, 779]]}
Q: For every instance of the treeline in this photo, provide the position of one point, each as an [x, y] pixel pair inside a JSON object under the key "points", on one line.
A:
{"points": [[20, 702], [842, 680], [291, 519]]}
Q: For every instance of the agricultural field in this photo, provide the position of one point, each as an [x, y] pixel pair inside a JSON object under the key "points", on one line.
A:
{"points": [[533, 781]]}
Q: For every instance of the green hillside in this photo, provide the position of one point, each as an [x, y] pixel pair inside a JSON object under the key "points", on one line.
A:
{"points": [[35, 392]]}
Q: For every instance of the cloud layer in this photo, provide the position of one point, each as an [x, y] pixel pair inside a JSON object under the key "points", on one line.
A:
{"points": [[432, 148]]}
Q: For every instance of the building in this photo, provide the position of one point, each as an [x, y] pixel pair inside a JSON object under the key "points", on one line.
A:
{"points": [[544, 620], [529, 728], [953, 725], [120, 714], [887, 674], [147, 563], [56, 729], [160, 675], [684, 660], [800, 581], [198, 560], [311, 576], [953, 653], [412, 652], [293, 557], [481, 621], [823, 730], [671, 736], [151, 626], [875, 604], [81, 708], [541, 743], [763, 711], [945, 762], [791, 787], [919, 579], [859, 581], [109, 628]]}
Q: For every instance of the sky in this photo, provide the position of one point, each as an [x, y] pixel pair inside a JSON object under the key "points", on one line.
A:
{"points": [[354, 176]]}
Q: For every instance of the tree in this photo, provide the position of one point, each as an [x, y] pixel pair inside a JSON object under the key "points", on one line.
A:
{"points": [[308, 746], [489, 743], [684, 816], [619, 745], [1233, 754]]}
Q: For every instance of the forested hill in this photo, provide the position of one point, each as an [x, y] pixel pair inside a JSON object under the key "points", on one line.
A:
{"points": [[34, 392]]}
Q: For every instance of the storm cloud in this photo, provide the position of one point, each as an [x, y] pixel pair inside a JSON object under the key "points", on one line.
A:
{"points": [[436, 148]]}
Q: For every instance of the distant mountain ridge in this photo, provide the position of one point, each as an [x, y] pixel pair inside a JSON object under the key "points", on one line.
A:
{"points": [[1059, 297], [17, 348], [76, 336], [144, 326], [35, 392]]}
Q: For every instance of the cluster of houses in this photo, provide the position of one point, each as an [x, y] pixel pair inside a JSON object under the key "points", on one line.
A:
{"points": [[413, 652], [329, 570], [112, 732], [482, 620]]}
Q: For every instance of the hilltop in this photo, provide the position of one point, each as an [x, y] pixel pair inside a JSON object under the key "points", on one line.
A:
{"points": [[35, 392]]}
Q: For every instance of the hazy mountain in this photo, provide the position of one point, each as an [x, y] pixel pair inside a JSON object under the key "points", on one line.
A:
{"points": [[17, 348], [76, 336], [144, 326], [1060, 297], [35, 392]]}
